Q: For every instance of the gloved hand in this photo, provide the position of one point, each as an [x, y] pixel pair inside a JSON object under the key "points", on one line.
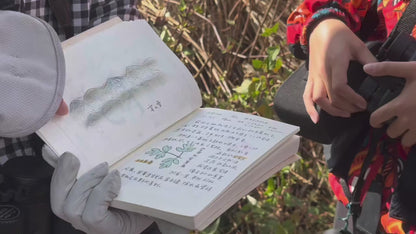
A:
{"points": [[85, 202]]}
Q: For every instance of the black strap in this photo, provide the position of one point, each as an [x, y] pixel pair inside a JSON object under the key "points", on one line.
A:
{"points": [[355, 198], [370, 22], [407, 21]]}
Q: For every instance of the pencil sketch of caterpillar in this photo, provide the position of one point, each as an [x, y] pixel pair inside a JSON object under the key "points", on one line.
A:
{"points": [[97, 103]]}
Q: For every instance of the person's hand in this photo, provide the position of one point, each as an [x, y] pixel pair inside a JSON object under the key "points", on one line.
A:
{"points": [[332, 45], [63, 109], [85, 203], [402, 109]]}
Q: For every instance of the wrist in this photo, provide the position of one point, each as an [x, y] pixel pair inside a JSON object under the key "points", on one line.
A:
{"points": [[326, 30], [326, 15]]}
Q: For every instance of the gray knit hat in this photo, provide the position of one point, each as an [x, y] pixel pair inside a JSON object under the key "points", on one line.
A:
{"points": [[32, 73]]}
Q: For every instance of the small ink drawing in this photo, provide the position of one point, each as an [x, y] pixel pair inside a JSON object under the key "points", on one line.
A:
{"points": [[100, 102], [167, 151]]}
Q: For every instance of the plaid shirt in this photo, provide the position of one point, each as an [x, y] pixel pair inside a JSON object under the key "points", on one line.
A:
{"points": [[86, 14]]}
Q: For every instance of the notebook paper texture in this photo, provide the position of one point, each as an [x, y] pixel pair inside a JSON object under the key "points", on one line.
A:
{"points": [[119, 97], [197, 160]]}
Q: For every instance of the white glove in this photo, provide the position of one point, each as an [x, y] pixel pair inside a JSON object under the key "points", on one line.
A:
{"points": [[85, 202]]}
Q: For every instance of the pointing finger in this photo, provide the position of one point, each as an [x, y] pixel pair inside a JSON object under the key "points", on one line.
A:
{"points": [[398, 69]]}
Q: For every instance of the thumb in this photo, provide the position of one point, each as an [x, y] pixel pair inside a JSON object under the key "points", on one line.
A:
{"points": [[397, 69], [63, 179]]}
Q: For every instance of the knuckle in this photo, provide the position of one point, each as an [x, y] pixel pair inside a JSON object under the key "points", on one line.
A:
{"points": [[335, 101], [360, 46], [90, 220], [58, 211], [318, 99], [70, 212]]}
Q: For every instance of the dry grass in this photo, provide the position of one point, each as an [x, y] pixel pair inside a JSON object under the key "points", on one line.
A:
{"points": [[222, 35]]}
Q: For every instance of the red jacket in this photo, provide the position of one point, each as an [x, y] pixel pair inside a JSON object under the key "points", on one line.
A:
{"points": [[352, 12]]}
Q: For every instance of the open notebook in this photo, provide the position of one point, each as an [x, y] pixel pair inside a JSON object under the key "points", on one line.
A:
{"points": [[135, 105]]}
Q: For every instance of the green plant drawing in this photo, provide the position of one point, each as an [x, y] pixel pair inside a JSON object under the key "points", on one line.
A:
{"points": [[167, 151]]}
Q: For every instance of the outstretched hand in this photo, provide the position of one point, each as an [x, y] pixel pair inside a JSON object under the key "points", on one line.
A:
{"points": [[403, 108], [332, 45]]}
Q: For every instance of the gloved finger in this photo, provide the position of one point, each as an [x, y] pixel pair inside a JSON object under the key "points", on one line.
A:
{"points": [[166, 227], [99, 218], [96, 213], [49, 156], [77, 198], [63, 179]]}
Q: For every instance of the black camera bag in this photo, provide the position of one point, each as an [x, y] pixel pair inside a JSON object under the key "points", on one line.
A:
{"points": [[288, 101], [346, 134]]}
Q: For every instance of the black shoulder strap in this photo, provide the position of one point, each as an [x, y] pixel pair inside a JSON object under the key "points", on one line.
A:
{"points": [[370, 21], [408, 19]]}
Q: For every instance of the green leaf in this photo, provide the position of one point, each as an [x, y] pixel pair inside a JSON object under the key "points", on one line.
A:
{"points": [[278, 65], [257, 64], [273, 52], [166, 163], [188, 52], [182, 6], [166, 148], [199, 9], [270, 31], [156, 152], [243, 88], [265, 111], [271, 185], [231, 22], [188, 147]]}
